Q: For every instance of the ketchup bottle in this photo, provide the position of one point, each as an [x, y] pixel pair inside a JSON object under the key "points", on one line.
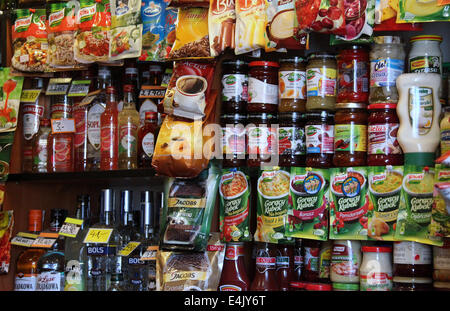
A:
{"points": [[285, 266], [234, 277], [266, 273], [109, 148]]}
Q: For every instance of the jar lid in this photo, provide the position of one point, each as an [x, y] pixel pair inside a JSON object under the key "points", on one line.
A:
{"points": [[318, 287], [151, 115], [320, 114], [297, 284], [239, 116], [329, 55], [387, 39], [443, 285], [346, 286], [264, 64], [412, 280], [45, 122], [376, 249], [235, 62], [292, 59], [353, 47], [262, 115], [382, 106], [291, 115], [350, 105], [426, 37]]}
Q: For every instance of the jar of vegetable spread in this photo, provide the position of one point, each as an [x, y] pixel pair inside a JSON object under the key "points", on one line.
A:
{"points": [[345, 261], [350, 135], [319, 137], [382, 145], [321, 85], [353, 74], [233, 139], [291, 139], [425, 54], [234, 86], [387, 59], [376, 269], [260, 138], [292, 85], [263, 87]]}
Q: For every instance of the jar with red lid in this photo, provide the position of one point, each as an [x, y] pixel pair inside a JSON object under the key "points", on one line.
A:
{"points": [[318, 287], [319, 139], [260, 138], [375, 273], [263, 87], [382, 145], [353, 74], [297, 286], [291, 139]]}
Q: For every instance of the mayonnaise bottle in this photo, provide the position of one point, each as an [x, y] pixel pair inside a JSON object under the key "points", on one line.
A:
{"points": [[419, 112]]}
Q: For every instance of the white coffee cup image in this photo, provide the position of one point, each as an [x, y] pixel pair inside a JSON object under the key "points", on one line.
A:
{"points": [[189, 98]]}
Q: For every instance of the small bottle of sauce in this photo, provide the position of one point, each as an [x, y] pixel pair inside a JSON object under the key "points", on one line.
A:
{"points": [[285, 265], [147, 134], [319, 138], [234, 86], [234, 276], [291, 139], [311, 253], [260, 138], [233, 139], [350, 135], [265, 275], [263, 87], [292, 85]]}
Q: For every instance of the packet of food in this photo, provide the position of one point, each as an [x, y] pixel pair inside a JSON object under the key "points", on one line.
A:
{"points": [[251, 22], [10, 93], [153, 34], [6, 144], [272, 205], [413, 11], [324, 16], [443, 2], [349, 203], [192, 40], [188, 210], [29, 39], [222, 26], [234, 219], [189, 271], [440, 214], [93, 23], [6, 228], [308, 203], [169, 31], [385, 185], [126, 29]]}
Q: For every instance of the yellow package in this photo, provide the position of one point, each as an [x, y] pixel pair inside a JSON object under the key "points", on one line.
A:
{"points": [[419, 11], [251, 22], [384, 10]]}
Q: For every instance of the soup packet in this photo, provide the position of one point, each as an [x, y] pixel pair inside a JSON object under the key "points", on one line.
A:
{"points": [[440, 214], [10, 93], [251, 22], [385, 185], [308, 203], [153, 34], [6, 228], [413, 11], [222, 26]]}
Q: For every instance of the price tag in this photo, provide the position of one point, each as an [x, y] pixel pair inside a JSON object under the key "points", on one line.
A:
{"points": [[70, 227], [96, 235], [150, 253], [30, 96], [63, 125], [45, 240], [24, 239], [79, 88], [131, 246], [58, 86], [148, 91]]}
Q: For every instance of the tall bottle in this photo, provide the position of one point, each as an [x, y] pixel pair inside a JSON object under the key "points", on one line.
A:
{"points": [[147, 134], [234, 276], [265, 276], [102, 259], [75, 250], [128, 128], [51, 265], [285, 266], [40, 152], [109, 147], [26, 265]]}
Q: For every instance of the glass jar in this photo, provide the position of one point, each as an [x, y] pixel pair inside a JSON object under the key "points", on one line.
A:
{"points": [[376, 269], [441, 262], [387, 62], [260, 138], [350, 135], [319, 139], [325, 261], [412, 259], [265, 275], [233, 139], [263, 87], [345, 287], [234, 86], [291, 139], [311, 252], [425, 54], [321, 73], [408, 284], [292, 85], [441, 286], [353, 74], [345, 261], [382, 145]]}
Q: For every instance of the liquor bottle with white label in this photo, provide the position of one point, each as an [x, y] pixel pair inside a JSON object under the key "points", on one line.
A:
{"points": [[128, 128], [40, 147], [102, 258], [51, 265], [26, 265], [75, 250]]}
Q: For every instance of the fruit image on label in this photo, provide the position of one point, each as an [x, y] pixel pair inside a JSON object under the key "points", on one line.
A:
{"points": [[292, 84], [321, 82]]}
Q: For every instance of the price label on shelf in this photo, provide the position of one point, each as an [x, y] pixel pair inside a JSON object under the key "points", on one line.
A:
{"points": [[79, 88], [24, 239], [131, 246], [30, 96], [63, 126], [45, 240], [58, 86], [97, 235], [150, 253], [70, 227]]}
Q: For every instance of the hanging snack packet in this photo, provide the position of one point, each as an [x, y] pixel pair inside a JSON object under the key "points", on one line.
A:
{"points": [[92, 36], [10, 93], [192, 40], [61, 35], [188, 210], [222, 26], [153, 33], [251, 22], [126, 29], [188, 271], [169, 31], [29, 39], [440, 214], [189, 3], [6, 228], [324, 16], [413, 11]]}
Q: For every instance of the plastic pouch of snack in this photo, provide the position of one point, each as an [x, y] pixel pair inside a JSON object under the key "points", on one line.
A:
{"points": [[189, 3], [10, 94], [323, 16], [153, 14], [251, 22], [222, 26], [413, 11], [169, 32], [6, 228]]}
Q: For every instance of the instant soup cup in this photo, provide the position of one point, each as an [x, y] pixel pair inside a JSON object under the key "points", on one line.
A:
{"points": [[322, 181], [273, 197], [389, 193], [337, 194], [238, 194]]}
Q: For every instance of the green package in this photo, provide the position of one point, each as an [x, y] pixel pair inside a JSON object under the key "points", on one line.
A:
{"points": [[10, 92], [308, 203], [349, 203], [440, 214], [6, 143], [413, 11]]}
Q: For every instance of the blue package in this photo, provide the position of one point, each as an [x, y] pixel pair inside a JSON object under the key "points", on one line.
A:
{"points": [[153, 14]]}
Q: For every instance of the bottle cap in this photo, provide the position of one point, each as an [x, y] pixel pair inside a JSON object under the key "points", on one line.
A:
{"points": [[127, 200], [35, 220], [128, 88], [376, 249], [110, 90]]}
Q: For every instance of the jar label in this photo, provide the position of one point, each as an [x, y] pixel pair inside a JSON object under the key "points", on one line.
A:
{"points": [[50, 281], [350, 137], [234, 87], [31, 115], [410, 253], [265, 263], [384, 71], [321, 82], [382, 139], [343, 261], [148, 144], [261, 92], [128, 139], [291, 141], [260, 140], [311, 258], [233, 140], [421, 109], [93, 130], [376, 281], [427, 64], [25, 282], [351, 80], [319, 138], [324, 264], [441, 258], [292, 84]]}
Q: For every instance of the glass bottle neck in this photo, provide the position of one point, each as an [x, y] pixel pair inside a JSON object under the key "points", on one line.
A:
{"points": [[148, 232], [109, 218]]}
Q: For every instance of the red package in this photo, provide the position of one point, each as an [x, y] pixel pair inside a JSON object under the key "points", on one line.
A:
{"points": [[324, 16], [392, 25], [6, 226]]}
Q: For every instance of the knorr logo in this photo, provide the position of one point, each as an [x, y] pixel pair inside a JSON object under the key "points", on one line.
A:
{"points": [[55, 18], [23, 23], [379, 177], [86, 13]]}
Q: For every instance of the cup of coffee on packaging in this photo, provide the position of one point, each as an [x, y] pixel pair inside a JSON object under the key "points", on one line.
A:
{"points": [[189, 98]]}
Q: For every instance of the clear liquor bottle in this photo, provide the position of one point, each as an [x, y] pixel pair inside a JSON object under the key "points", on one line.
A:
{"points": [[102, 259], [40, 147], [75, 249], [51, 265], [128, 130]]}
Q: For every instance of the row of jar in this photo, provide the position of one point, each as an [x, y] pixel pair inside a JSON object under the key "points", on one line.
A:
{"points": [[356, 135], [323, 79]]}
